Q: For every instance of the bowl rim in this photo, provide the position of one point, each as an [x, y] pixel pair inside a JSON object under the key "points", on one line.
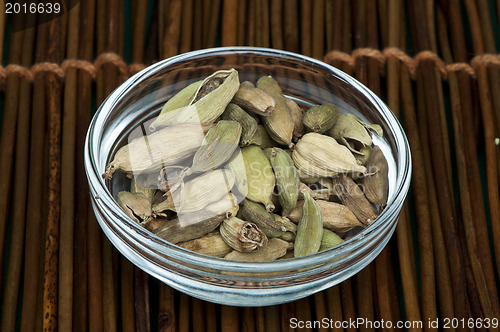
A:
{"points": [[103, 197]]}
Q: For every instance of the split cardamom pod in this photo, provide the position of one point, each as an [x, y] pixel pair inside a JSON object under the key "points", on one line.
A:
{"points": [[354, 133], [136, 205], [175, 105], [266, 221], [242, 235]]}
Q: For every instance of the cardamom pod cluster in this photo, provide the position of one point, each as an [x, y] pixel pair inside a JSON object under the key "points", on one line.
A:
{"points": [[244, 172]]}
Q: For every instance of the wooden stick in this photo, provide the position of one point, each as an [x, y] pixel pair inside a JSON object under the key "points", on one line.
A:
{"points": [[320, 309], [211, 31], [444, 43], [251, 19], [393, 39], [52, 236], [337, 19], [198, 314], [360, 23], [139, 27], [306, 28], [304, 311], [489, 145], [229, 23], [211, 320], [141, 289], [371, 25], [346, 27], [277, 24], [3, 22], [487, 27], [475, 26], [127, 295], [418, 25], [7, 139], [383, 22], [109, 289], [152, 52], [68, 180], [470, 231], [95, 273], [229, 318], [287, 312], [166, 319], [187, 26], [334, 304], [198, 25], [429, 11], [443, 186], [241, 22], [172, 29], [19, 197], [184, 313], [348, 304], [260, 321], [443, 277], [291, 26], [318, 29], [248, 319], [329, 24], [457, 34]]}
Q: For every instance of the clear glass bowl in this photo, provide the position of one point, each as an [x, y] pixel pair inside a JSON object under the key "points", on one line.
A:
{"points": [[229, 282]]}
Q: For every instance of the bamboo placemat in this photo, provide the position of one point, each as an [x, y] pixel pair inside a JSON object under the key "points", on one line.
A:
{"points": [[433, 62]]}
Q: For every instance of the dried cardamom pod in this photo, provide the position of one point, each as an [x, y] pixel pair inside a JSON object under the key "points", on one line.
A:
{"points": [[237, 165], [254, 100], [159, 149], [280, 123], [248, 123], [136, 205], [363, 155], [319, 155], [274, 249], [192, 225], [297, 117], [309, 229], [265, 220], [329, 240], [152, 224], [242, 235], [376, 185], [210, 244], [353, 133], [210, 100], [305, 177], [287, 179], [260, 176], [174, 105], [149, 193], [323, 195], [199, 192], [261, 138], [321, 118], [336, 217], [353, 197]]}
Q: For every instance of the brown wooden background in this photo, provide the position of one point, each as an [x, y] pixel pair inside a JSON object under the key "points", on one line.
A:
{"points": [[434, 62]]}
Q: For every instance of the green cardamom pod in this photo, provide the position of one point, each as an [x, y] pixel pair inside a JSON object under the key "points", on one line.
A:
{"points": [[309, 229], [266, 221], [260, 176], [242, 235], [321, 118], [248, 123], [376, 183]]}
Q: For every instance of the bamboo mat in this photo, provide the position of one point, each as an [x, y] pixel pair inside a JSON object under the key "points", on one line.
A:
{"points": [[434, 62]]}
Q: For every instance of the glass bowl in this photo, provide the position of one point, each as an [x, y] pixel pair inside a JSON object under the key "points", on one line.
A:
{"points": [[229, 282]]}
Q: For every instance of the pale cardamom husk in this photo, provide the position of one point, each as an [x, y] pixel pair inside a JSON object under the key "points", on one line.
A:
{"points": [[136, 205], [354, 133], [318, 155], [254, 100], [297, 117]]}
